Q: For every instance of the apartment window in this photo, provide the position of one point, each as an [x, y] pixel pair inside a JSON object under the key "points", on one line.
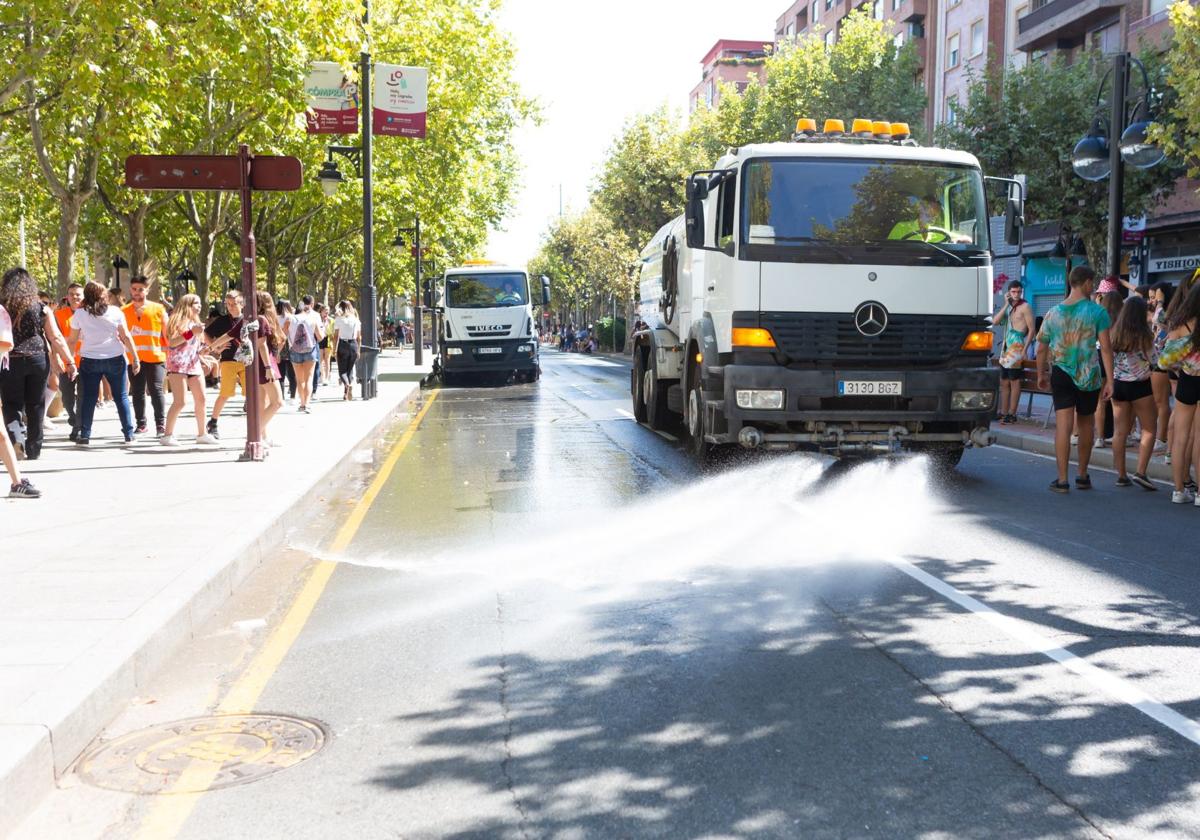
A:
{"points": [[898, 40], [830, 38], [916, 29], [791, 31], [952, 51], [877, 9], [1107, 40], [816, 10], [977, 38], [1157, 6], [896, 4], [709, 91], [951, 110], [828, 5], [953, 3]]}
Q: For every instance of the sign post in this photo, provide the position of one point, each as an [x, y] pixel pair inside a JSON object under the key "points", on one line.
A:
{"points": [[242, 172]]}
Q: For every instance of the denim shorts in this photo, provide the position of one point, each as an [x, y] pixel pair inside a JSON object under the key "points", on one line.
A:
{"points": [[311, 356]]}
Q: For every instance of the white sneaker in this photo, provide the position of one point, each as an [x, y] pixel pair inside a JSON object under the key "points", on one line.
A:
{"points": [[1074, 439], [1160, 447], [207, 440], [168, 440], [1183, 497]]}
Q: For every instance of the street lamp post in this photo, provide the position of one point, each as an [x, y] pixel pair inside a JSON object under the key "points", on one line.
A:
{"points": [[1096, 157], [399, 242], [331, 178], [184, 281], [118, 262]]}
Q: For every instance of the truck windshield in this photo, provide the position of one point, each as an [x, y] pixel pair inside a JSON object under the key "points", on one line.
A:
{"points": [[898, 207], [479, 291]]}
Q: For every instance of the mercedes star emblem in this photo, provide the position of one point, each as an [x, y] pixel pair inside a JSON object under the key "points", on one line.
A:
{"points": [[871, 319]]}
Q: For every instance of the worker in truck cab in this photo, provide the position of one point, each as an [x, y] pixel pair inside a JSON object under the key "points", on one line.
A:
{"points": [[508, 294], [929, 224]]}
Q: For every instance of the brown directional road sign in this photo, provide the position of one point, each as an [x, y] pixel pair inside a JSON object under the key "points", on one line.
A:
{"points": [[210, 172]]}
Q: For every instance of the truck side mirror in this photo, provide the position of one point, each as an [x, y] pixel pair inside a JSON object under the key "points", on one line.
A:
{"points": [[545, 290], [1014, 221], [694, 221]]}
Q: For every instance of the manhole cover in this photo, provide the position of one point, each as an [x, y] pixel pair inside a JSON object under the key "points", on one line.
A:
{"points": [[217, 752]]}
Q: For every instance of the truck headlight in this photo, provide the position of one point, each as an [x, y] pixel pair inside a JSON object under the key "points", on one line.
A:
{"points": [[972, 400], [760, 399], [453, 351], [525, 348]]}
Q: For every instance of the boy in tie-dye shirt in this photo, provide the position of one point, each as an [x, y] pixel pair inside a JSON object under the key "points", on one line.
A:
{"points": [[1068, 366]]}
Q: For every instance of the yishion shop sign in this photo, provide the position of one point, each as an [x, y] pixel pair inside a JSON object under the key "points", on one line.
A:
{"points": [[1184, 263]]}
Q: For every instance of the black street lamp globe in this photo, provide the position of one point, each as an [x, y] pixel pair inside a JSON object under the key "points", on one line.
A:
{"points": [[1136, 148], [1090, 158], [330, 177]]}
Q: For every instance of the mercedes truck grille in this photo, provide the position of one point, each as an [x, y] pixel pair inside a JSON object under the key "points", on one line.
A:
{"points": [[827, 339]]}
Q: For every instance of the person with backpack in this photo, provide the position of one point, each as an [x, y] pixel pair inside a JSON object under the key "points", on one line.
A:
{"points": [[23, 383], [304, 332], [19, 487]]}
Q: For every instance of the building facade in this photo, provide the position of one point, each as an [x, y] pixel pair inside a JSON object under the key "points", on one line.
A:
{"points": [[739, 63], [973, 40]]}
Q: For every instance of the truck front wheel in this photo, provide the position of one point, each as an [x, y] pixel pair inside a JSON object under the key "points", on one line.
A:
{"points": [[637, 385], [697, 446]]}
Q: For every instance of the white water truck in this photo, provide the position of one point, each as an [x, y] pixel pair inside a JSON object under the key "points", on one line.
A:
{"points": [[829, 294], [488, 323]]}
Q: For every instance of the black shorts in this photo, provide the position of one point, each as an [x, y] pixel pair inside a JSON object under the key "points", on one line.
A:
{"points": [[1131, 391], [1012, 373], [1187, 391], [1066, 394]]}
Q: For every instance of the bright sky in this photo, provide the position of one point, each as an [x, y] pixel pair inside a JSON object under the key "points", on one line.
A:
{"points": [[592, 66]]}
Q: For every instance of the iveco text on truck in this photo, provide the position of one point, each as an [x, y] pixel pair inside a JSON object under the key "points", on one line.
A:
{"points": [[827, 294], [488, 323]]}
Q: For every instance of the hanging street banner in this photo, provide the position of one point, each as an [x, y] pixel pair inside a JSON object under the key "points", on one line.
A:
{"points": [[332, 100], [401, 100]]}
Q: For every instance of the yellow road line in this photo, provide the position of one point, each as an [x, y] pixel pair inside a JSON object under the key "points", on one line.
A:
{"points": [[350, 528], [168, 813]]}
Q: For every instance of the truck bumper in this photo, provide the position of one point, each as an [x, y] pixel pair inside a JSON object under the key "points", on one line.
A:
{"points": [[815, 416], [487, 356]]}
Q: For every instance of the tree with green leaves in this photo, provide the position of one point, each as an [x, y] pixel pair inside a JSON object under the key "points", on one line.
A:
{"points": [[1028, 122], [1177, 128]]}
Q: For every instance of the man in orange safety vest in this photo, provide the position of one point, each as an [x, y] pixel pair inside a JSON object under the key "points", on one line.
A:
{"points": [[147, 322]]}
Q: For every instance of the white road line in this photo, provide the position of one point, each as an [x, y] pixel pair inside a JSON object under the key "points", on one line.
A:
{"points": [[1114, 686], [624, 413]]}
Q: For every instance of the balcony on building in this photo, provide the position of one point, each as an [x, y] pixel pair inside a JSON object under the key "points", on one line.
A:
{"points": [[1063, 24]]}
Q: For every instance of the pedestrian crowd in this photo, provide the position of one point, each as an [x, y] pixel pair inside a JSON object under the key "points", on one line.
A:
{"points": [[569, 339], [93, 350], [1111, 361]]}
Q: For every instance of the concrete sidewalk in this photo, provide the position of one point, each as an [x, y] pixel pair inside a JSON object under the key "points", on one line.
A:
{"points": [[129, 550]]}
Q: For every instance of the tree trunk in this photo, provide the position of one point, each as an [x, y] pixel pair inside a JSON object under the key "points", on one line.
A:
{"points": [[204, 264], [68, 233]]}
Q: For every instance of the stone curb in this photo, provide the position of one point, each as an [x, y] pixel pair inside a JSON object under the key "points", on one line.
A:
{"points": [[1102, 458], [34, 756]]}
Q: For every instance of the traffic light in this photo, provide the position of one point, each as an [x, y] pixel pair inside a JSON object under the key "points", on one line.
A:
{"points": [[428, 290]]}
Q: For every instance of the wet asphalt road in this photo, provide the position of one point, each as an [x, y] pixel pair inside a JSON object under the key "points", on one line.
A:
{"points": [[550, 625]]}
